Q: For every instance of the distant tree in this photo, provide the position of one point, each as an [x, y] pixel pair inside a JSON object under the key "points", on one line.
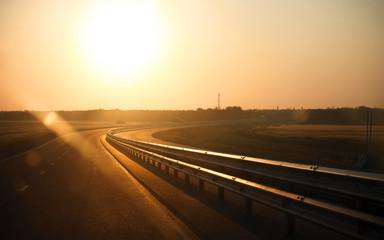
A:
{"points": [[234, 108], [363, 108]]}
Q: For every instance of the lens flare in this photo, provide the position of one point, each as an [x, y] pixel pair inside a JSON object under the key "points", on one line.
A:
{"points": [[50, 118]]}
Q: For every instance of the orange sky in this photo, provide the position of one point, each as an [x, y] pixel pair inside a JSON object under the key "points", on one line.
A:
{"points": [[257, 54]]}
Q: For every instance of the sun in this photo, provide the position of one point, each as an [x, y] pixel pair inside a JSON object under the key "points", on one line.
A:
{"points": [[121, 38]]}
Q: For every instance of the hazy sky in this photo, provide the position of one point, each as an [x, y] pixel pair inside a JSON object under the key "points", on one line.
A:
{"points": [[68, 55]]}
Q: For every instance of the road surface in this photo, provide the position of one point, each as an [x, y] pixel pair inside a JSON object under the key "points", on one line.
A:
{"points": [[79, 187], [72, 188]]}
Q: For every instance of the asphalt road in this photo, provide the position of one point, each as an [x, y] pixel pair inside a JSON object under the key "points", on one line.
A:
{"points": [[145, 134], [72, 188], [79, 187]]}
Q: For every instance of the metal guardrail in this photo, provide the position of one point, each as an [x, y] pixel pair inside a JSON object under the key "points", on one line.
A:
{"points": [[365, 190]]}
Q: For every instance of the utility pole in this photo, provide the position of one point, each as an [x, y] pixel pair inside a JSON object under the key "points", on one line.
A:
{"points": [[218, 102], [368, 132], [367, 129]]}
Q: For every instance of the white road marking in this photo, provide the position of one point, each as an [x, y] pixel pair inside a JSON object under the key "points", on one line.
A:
{"points": [[25, 187], [43, 172]]}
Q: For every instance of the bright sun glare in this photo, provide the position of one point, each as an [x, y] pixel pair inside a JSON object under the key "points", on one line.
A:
{"points": [[122, 38]]}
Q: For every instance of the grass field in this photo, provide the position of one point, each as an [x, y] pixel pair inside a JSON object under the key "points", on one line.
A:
{"points": [[327, 145], [19, 136]]}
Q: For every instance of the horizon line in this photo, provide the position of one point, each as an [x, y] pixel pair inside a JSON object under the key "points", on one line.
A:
{"points": [[205, 109]]}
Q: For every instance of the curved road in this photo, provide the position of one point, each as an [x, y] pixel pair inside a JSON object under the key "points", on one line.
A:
{"points": [[72, 188], [145, 134], [79, 187]]}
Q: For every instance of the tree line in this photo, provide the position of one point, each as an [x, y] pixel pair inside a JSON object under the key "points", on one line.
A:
{"points": [[344, 116]]}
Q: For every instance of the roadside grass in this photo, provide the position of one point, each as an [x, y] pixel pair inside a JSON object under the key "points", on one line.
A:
{"points": [[19, 136], [325, 145]]}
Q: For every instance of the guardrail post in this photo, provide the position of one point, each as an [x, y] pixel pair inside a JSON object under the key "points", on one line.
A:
{"points": [[220, 193], [159, 165], [201, 185], [290, 219], [166, 169], [175, 172], [248, 206], [186, 176], [289, 224], [361, 205]]}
